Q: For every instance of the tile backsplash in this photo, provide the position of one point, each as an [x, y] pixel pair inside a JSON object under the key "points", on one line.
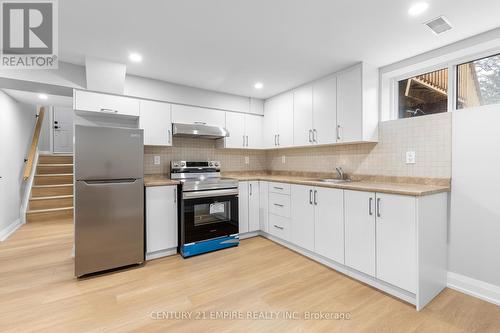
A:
{"points": [[194, 149], [428, 136]]}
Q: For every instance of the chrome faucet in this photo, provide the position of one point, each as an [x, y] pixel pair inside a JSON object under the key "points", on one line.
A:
{"points": [[340, 172]]}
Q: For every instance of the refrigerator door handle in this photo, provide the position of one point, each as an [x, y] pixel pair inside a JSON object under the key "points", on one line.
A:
{"points": [[111, 181]]}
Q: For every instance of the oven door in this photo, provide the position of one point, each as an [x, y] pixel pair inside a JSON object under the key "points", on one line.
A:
{"points": [[209, 214]]}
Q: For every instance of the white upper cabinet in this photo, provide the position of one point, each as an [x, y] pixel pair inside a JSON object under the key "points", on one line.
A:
{"points": [[357, 104], [235, 124], [253, 131], [303, 116], [278, 121], [155, 120], [245, 131], [194, 115], [105, 104], [324, 115]]}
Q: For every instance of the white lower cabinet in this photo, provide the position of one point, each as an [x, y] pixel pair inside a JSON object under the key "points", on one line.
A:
{"points": [[302, 216], [161, 221], [263, 207], [329, 223], [249, 206], [279, 226], [360, 231], [396, 240]]}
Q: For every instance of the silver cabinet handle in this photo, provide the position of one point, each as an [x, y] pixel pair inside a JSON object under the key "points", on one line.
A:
{"points": [[275, 140], [175, 195], [310, 133], [370, 212], [310, 197], [378, 207], [315, 197], [339, 137], [200, 123], [247, 140], [279, 205], [315, 135], [250, 189], [169, 136], [278, 188], [243, 141], [109, 111], [278, 140], [279, 227]]}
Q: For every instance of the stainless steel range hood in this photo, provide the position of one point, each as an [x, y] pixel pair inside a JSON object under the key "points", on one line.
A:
{"points": [[199, 131]]}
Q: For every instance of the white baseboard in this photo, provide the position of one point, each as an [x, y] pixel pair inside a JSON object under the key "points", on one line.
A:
{"points": [[10, 229], [161, 253], [480, 289]]}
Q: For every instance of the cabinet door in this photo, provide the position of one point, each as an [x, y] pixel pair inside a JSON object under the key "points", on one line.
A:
{"points": [[253, 206], [302, 116], [325, 111], [191, 115], [270, 125], [106, 104], [243, 206], [285, 121], [263, 209], [302, 216], [253, 131], [396, 240], [329, 223], [161, 218], [235, 124], [360, 231], [155, 120], [349, 105]]}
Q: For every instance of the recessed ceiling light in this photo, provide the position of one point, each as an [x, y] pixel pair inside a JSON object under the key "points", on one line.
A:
{"points": [[258, 85], [135, 57], [43, 96], [418, 8]]}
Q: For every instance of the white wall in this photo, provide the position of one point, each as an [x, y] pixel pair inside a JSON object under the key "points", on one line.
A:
{"points": [[17, 122], [474, 248]]}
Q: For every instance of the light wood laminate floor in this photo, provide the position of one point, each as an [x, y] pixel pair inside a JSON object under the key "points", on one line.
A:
{"points": [[38, 293]]}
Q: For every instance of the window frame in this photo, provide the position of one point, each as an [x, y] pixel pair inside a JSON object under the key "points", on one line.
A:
{"points": [[390, 93]]}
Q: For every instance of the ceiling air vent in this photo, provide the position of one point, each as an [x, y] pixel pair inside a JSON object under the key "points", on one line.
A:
{"points": [[439, 25]]}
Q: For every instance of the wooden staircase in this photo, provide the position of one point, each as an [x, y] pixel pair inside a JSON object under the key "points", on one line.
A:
{"points": [[52, 190]]}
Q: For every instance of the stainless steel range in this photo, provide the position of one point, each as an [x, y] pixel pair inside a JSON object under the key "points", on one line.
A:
{"points": [[209, 207]]}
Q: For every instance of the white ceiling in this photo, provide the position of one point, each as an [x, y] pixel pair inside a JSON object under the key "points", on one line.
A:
{"points": [[228, 45], [28, 97]]}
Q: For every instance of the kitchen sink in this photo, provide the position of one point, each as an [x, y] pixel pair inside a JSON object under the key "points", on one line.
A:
{"points": [[332, 180]]}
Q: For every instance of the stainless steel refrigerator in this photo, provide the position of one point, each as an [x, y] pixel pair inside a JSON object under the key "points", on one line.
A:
{"points": [[109, 198]]}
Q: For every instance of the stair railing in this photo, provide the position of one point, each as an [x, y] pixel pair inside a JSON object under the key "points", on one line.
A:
{"points": [[34, 144]]}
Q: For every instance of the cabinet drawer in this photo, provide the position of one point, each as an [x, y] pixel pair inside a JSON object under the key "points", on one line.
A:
{"points": [[106, 104], [279, 204], [280, 188], [279, 226]]}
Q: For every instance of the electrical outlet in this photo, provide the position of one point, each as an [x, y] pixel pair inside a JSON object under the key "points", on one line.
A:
{"points": [[410, 157], [157, 160], [247, 160], [283, 159]]}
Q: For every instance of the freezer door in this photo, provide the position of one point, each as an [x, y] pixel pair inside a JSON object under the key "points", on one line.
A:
{"points": [[108, 153], [109, 225]]}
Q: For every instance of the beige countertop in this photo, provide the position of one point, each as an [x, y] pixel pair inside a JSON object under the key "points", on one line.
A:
{"points": [[362, 185], [159, 180]]}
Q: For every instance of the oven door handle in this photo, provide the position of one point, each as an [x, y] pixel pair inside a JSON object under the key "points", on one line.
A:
{"points": [[211, 193]]}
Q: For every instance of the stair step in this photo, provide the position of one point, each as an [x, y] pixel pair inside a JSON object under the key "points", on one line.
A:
{"points": [[54, 179], [42, 215], [50, 202], [55, 159], [51, 190], [44, 169]]}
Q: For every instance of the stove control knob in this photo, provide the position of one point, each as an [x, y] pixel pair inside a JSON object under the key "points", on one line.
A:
{"points": [[183, 164], [216, 164], [176, 165], [211, 164]]}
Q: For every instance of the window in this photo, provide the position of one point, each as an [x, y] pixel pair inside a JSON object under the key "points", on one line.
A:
{"points": [[478, 82], [423, 94]]}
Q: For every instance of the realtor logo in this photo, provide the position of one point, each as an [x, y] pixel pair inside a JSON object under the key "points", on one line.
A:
{"points": [[29, 34]]}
